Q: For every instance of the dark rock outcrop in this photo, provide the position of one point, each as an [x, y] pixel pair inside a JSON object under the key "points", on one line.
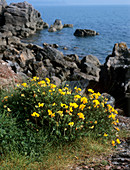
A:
{"points": [[32, 60], [85, 33], [115, 76], [67, 25], [21, 19]]}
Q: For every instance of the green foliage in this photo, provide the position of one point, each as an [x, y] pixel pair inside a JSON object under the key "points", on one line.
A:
{"points": [[38, 113]]}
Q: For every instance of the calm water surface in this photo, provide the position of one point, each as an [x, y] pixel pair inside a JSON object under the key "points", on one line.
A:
{"points": [[112, 22]]}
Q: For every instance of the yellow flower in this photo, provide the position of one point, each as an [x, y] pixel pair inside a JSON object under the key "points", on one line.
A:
{"points": [[68, 92], [117, 121], [117, 128], [112, 116], [113, 143], [60, 113], [71, 109], [95, 122], [118, 141], [105, 134], [18, 85], [8, 109], [71, 124], [82, 106], [4, 106], [53, 104], [24, 84], [50, 91], [53, 115], [40, 104], [90, 90], [63, 93], [114, 123], [81, 115], [6, 97], [64, 105], [102, 104], [89, 107], [78, 90], [84, 100], [49, 112], [48, 80], [73, 105], [91, 127], [35, 114], [53, 86], [42, 83], [77, 96], [96, 103], [35, 78], [116, 112], [22, 95]]}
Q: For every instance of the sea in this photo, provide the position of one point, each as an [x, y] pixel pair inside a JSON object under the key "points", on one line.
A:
{"points": [[112, 23]]}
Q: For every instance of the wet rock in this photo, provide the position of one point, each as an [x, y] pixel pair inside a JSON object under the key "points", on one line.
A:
{"points": [[85, 32], [51, 45], [52, 29], [56, 26], [67, 25]]}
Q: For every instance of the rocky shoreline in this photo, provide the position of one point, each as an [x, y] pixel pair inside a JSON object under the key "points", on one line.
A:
{"points": [[20, 61]]}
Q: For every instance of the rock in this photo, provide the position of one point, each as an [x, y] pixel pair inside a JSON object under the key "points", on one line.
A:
{"points": [[21, 19], [51, 45], [56, 80], [79, 84], [56, 26], [52, 29], [115, 76], [7, 75], [67, 25], [3, 4], [110, 99], [65, 48], [85, 32], [91, 65]]}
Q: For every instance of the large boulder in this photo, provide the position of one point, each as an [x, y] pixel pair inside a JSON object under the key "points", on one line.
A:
{"points": [[115, 76], [22, 19], [85, 32]]}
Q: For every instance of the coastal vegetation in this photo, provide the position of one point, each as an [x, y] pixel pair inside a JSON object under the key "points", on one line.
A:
{"points": [[40, 119]]}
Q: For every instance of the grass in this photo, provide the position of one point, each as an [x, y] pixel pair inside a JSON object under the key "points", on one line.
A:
{"points": [[82, 151]]}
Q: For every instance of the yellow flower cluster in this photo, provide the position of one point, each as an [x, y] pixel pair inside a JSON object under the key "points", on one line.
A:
{"points": [[117, 141], [81, 115]]}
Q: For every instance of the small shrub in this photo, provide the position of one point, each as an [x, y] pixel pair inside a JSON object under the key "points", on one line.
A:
{"points": [[42, 113]]}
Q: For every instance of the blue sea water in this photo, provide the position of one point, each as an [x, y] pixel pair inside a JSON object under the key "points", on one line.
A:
{"points": [[112, 22]]}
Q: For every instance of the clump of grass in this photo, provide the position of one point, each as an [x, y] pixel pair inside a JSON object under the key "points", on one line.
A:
{"points": [[38, 113]]}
